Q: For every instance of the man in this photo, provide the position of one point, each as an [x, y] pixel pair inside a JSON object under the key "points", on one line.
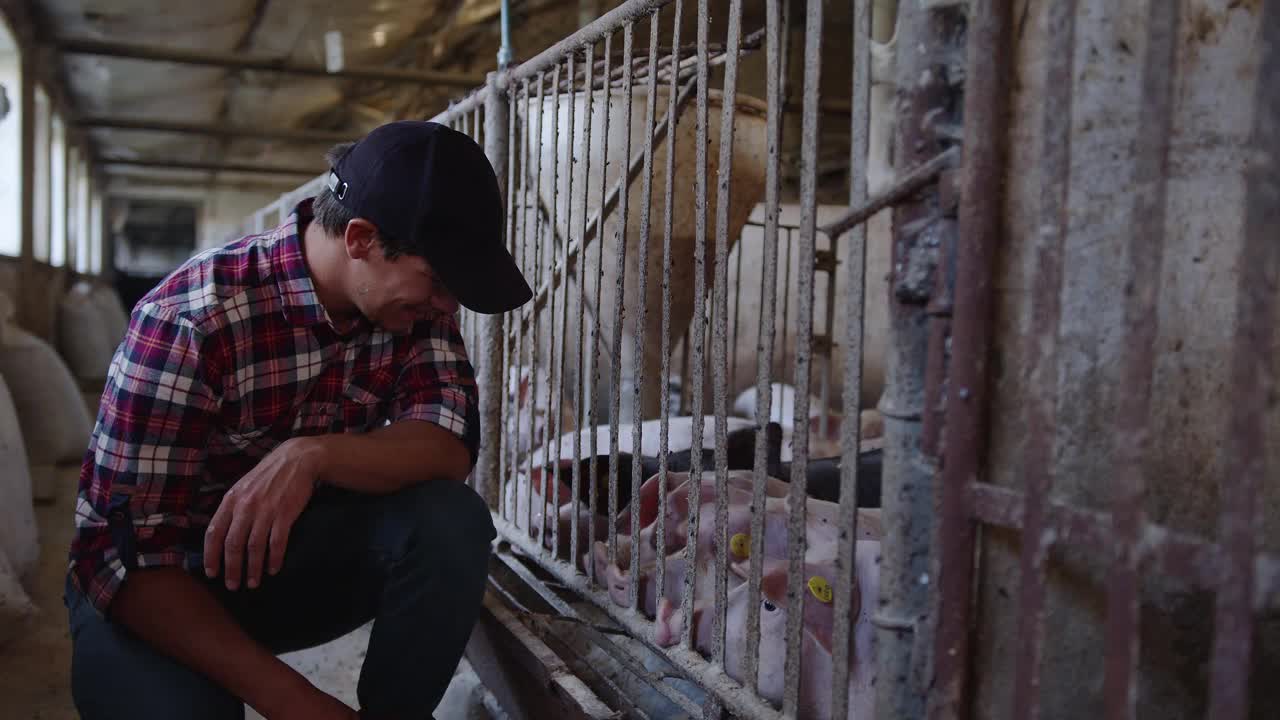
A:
{"points": [[243, 494]]}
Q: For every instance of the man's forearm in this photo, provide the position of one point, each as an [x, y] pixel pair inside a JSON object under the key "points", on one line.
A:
{"points": [[389, 458], [175, 614]]}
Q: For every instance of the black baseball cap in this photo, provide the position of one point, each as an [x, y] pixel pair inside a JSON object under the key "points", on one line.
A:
{"points": [[427, 185]]}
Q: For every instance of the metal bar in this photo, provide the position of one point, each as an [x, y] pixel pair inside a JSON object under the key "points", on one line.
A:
{"points": [[720, 313], [595, 365], [466, 104], [535, 384], [186, 56], [804, 349], [907, 184], [620, 308], [1253, 387], [212, 130], [664, 422], [564, 307], [580, 384], [1040, 421], [986, 100], [653, 679], [511, 355], [1132, 430], [489, 330], [698, 333], [555, 406], [764, 342], [855, 313], [638, 343], [785, 289], [477, 125], [727, 690], [211, 167], [737, 315], [607, 24]]}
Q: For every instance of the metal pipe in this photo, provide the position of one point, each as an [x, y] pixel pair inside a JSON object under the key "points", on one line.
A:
{"points": [[237, 61], [1132, 430], [764, 342], [981, 201], [554, 406], [1253, 387], [581, 383], [564, 311], [720, 349], [535, 384], [595, 365], [628, 39], [908, 184], [804, 350], [1037, 460], [855, 312], [698, 333], [664, 422], [504, 50], [638, 327], [490, 381]]}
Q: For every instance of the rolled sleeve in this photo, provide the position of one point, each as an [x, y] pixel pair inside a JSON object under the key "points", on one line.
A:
{"points": [[437, 384], [146, 457]]}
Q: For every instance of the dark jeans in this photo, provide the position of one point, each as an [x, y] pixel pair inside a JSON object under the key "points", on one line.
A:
{"points": [[414, 562]]}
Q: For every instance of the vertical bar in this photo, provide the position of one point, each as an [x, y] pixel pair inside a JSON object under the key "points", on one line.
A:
{"points": [[489, 329], [685, 378], [564, 305], [804, 347], [607, 99], [764, 343], [737, 314], [643, 293], [628, 40], [477, 125], [981, 201], [534, 382], [855, 313], [589, 52], [1252, 383], [785, 289], [522, 248], [1132, 434], [720, 351], [664, 423], [698, 333], [555, 406], [1037, 458]]}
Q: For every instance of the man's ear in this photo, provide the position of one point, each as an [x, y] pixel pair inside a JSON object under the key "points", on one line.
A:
{"points": [[360, 238]]}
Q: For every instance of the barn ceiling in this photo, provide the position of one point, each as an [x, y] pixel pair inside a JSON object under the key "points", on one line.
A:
{"points": [[460, 37]]}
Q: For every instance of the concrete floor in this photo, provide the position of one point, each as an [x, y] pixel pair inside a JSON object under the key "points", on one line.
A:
{"points": [[35, 666]]}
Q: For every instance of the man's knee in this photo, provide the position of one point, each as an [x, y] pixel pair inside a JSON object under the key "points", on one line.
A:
{"points": [[450, 516]]}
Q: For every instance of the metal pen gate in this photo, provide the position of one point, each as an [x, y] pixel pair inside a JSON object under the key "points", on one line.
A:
{"points": [[954, 93]]}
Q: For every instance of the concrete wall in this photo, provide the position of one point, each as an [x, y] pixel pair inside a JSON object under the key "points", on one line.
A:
{"points": [[1214, 100]]}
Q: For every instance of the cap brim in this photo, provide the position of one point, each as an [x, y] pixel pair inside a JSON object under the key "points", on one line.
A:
{"points": [[486, 281]]}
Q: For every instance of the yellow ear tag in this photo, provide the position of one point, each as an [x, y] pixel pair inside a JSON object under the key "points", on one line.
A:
{"points": [[820, 588], [740, 545]]}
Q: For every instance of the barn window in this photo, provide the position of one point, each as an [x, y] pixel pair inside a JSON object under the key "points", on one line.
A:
{"points": [[40, 182], [58, 191]]}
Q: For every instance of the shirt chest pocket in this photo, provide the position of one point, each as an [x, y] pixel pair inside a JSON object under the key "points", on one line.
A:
{"points": [[366, 401]]}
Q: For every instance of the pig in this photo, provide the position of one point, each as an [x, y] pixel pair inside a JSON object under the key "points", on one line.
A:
{"points": [[816, 638], [822, 477]]}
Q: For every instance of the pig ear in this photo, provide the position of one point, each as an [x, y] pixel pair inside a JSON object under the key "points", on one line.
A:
{"points": [[774, 583], [742, 568]]}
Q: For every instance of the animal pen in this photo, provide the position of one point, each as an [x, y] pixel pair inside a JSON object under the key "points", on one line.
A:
{"points": [[681, 255]]}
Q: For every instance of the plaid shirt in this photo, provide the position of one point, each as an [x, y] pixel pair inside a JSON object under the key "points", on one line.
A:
{"points": [[228, 357]]}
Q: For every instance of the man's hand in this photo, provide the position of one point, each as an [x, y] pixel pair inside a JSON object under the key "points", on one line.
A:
{"points": [[258, 512]]}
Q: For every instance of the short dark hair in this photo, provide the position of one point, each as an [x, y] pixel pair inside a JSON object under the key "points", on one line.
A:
{"points": [[333, 217]]}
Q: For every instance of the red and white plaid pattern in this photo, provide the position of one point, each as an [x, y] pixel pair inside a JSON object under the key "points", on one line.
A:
{"points": [[228, 357]]}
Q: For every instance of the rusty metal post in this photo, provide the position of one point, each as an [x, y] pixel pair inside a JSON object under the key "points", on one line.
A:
{"points": [[488, 359], [981, 198], [931, 42]]}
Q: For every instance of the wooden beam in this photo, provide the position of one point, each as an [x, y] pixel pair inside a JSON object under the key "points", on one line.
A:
{"points": [[211, 167], [212, 130], [152, 53]]}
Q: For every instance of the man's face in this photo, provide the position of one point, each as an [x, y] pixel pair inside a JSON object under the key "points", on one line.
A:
{"points": [[400, 292]]}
